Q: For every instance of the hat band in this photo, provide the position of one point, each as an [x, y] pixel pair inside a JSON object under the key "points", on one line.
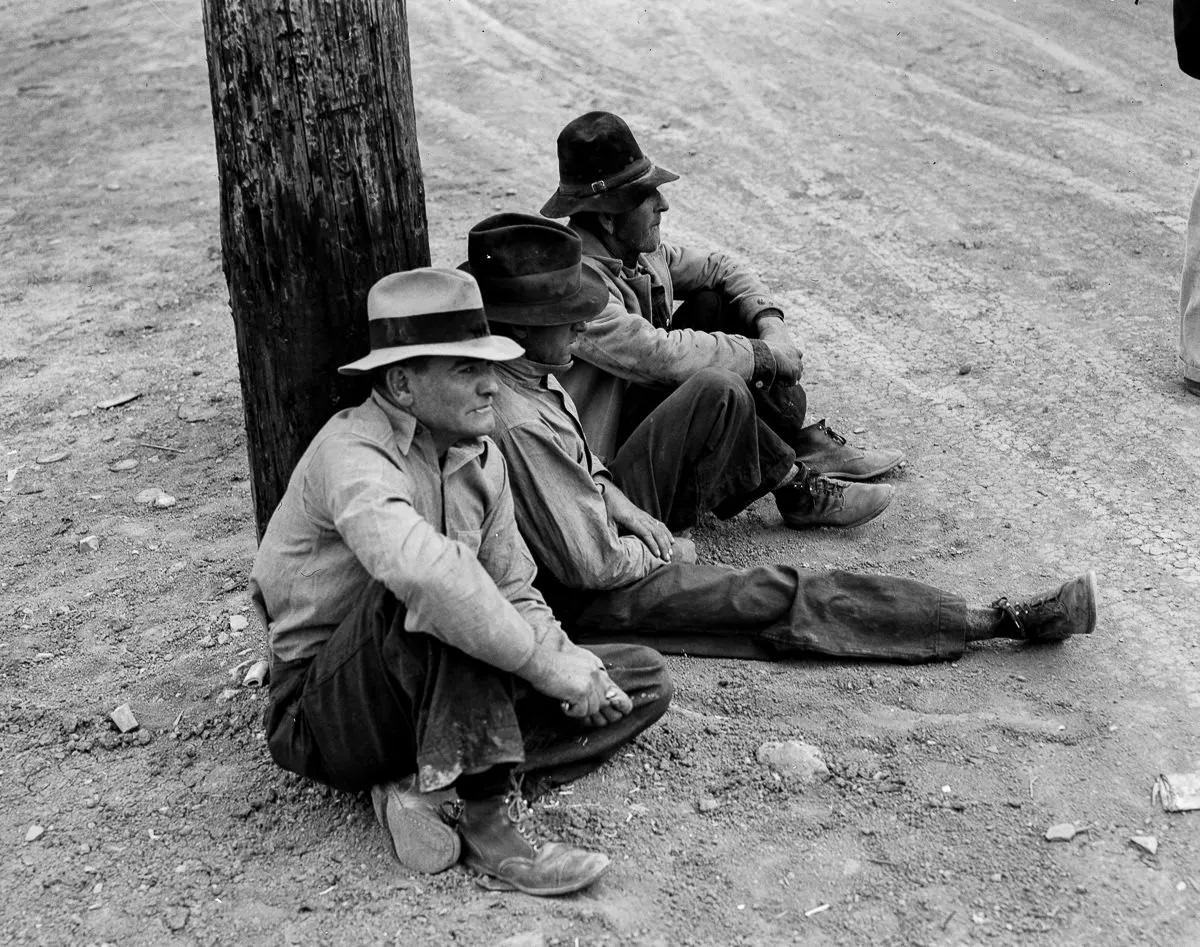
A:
{"points": [[457, 325], [627, 174], [532, 288]]}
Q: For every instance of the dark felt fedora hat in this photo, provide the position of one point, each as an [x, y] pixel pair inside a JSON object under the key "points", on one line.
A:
{"points": [[529, 271], [601, 168]]}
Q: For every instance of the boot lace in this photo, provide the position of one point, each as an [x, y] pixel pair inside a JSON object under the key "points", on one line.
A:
{"points": [[834, 435], [1023, 614], [521, 817], [816, 484]]}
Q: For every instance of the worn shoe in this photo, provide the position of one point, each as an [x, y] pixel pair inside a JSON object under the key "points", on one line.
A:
{"points": [[811, 500], [1071, 610], [421, 839], [826, 451], [501, 846]]}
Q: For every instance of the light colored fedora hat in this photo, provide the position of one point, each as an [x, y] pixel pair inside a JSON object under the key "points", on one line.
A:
{"points": [[428, 311]]}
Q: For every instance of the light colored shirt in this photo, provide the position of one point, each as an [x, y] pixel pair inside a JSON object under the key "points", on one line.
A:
{"points": [[370, 499], [558, 484]]}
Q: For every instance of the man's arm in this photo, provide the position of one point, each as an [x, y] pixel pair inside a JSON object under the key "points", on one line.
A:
{"points": [[628, 346], [562, 514], [751, 301]]}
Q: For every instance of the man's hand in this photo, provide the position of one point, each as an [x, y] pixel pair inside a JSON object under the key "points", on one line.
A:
{"points": [[788, 358], [633, 519], [586, 690]]}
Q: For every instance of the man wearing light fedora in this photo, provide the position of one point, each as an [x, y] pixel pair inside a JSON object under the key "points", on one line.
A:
{"points": [[410, 654], [613, 572], [643, 346]]}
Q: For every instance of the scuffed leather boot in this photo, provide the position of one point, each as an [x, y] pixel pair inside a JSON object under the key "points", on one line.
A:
{"points": [[810, 500], [499, 844], [1070, 610], [421, 839], [826, 451]]}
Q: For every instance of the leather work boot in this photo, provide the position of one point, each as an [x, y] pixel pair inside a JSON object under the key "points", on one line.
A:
{"points": [[826, 451], [810, 500], [501, 846], [1071, 610], [421, 839]]}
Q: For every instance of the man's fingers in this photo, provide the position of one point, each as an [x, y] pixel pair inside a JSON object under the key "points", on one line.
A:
{"points": [[618, 700]]}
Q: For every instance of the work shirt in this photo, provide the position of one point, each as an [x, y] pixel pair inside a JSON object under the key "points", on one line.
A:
{"points": [[632, 339], [371, 500], [558, 484]]}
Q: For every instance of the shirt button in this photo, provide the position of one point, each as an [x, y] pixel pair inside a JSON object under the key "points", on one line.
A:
{"points": [[758, 384]]}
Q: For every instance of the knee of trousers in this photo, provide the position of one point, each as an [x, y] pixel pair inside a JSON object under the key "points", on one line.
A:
{"points": [[720, 386], [649, 670]]}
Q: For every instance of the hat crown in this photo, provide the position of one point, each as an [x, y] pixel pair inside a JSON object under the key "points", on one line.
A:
{"points": [[595, 146], [516, 245], [425, 291]]}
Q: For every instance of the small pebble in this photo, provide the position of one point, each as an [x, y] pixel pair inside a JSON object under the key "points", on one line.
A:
{"points": [[35, 832]]}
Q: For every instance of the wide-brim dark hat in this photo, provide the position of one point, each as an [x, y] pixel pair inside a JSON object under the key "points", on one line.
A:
{"points": [[530, 273], [601, 168]]}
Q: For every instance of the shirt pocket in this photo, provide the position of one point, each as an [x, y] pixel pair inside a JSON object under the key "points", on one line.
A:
{"points": [[471, 538]]}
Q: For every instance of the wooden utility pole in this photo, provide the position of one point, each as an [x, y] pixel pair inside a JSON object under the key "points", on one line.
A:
{"points": [[321, 194]]}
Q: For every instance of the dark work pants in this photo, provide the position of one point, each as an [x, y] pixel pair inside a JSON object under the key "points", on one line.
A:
{"points": [[771, 612], [702, 448], [779, 408], [379, 703]]}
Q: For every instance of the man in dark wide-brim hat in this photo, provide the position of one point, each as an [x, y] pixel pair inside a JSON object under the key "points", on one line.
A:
{"points": [[410, 654], [612, 572], [644, 346]]}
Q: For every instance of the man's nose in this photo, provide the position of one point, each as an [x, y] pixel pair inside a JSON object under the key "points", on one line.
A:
{"points": [[487, 381]]}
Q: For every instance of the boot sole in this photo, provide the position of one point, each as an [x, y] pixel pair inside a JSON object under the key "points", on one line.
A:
{"points": [[490, 882], [1093, 593], [421, 840]]}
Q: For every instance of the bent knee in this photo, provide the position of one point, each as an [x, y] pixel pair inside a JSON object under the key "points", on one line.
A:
{"points": [[718, 386]]}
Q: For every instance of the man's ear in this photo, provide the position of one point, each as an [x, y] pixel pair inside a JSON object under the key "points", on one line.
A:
{"points": [[397, 386], [607, 222]]}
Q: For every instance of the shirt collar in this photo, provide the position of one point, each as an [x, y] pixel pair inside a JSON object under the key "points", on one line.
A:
{"points": [[528, 373]]}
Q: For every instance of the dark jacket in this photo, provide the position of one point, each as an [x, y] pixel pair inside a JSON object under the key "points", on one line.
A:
{"points": [[1187, 36]]}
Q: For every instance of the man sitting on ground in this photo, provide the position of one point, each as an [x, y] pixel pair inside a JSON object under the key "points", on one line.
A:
{"points": [[410, 654], [642, 348], [613, 572]]}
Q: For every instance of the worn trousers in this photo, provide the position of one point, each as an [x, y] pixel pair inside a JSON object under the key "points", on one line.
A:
{"points": [[1189, 295], [379, 703], [771, 612], [702, 448]]}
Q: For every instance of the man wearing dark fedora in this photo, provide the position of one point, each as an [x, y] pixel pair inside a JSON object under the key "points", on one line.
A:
{"points": [[643, 345], [410, 654], [612, 572]]}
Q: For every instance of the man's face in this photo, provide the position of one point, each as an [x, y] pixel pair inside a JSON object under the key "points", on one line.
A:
{"points": [[452, 397], [550, 345], [637, 230]]}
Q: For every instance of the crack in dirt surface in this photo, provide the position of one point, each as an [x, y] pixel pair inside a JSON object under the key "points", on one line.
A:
{"points": [[974, 214]]}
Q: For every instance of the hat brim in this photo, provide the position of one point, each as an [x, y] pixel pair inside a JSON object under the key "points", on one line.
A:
{"points": [[490, 348], [616, 201], [584, 304]]}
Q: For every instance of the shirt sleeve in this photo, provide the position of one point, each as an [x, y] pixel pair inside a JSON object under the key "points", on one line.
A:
{"points": [[630, 347], [442, 583], [562, 515], [742, 289]]}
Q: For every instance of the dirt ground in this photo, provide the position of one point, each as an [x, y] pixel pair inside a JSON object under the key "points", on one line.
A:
{"points": [[974, 210]]}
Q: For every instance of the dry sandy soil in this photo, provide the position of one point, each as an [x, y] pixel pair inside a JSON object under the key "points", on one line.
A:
{"points": [[974, 209]]}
